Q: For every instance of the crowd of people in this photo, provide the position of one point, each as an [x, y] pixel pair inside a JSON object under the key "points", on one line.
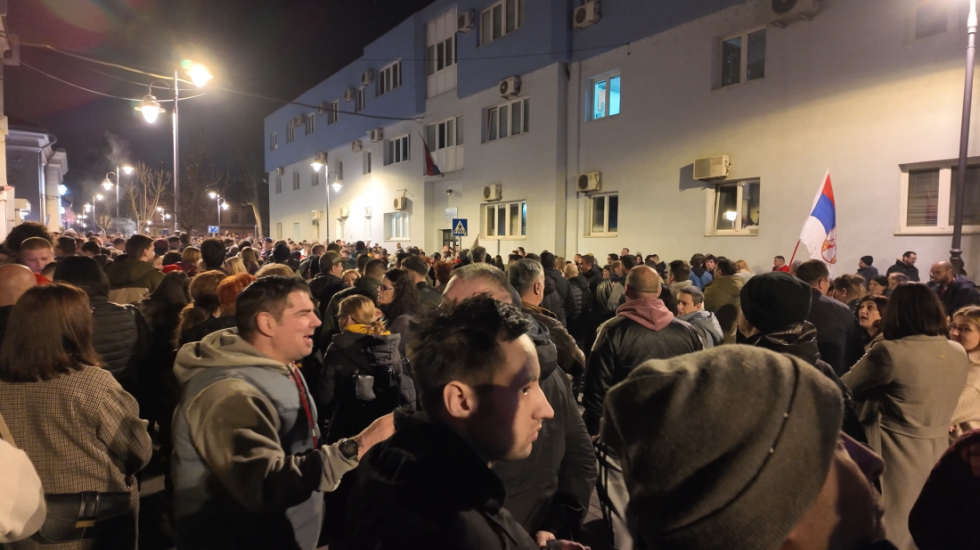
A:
{"points": [[301, 394]]}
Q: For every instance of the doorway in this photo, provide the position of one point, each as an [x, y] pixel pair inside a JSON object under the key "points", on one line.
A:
{"points": [[447, 238]]}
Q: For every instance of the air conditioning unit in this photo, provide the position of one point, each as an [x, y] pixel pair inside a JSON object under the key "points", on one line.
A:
{"points": [[466, 21], [784, 12], [377, 135], [711, 168], [367, 211], [367, 77], [587, 14], [356, 146], [510, 87], [401, 203], [493, 192], [349, 94], [590, 181], [345, 212], [317, 216], [280, 171]]}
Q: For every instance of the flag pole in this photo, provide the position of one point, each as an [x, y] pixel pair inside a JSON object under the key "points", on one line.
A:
{"points": [[794, 254]]}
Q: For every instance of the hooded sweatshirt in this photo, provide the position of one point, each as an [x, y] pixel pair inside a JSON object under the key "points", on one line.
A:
{"points": [[707, 326], [651, 313], [246, 466], [132, 280]]}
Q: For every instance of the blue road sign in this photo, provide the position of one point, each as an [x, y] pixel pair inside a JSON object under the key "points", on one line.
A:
{"points": [[213, 229], [459, 227]]}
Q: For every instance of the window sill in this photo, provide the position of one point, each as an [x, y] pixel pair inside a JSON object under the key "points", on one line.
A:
{"points": [[498, 140], [397, 240], [931, 231], [524, 238], [607, 117], [601, 235], [743, 233], [738, 85]]}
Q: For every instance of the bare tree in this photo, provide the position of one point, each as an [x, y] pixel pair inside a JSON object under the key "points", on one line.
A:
{"points": [[145, 191], [255, 194], [198, 178], [103, 223]]}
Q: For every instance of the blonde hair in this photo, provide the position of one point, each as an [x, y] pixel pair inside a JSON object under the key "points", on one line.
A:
{"points": [[190, 256], [970, 312], [278, 270], [361, 310], [741, 266], [248, 256], [351, 272], [234, 266]]}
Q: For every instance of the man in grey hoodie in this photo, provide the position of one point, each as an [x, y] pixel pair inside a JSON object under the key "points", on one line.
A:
{"points": [[690, 308], [247, 461]]}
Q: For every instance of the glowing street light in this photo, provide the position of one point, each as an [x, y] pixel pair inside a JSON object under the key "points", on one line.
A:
{"points": [[319, 161], [199, 75], [128, 169], [150, 108]]}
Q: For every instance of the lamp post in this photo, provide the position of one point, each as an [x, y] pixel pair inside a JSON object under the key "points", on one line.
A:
{"points": [[320, 161], [221, 204], [956, 253]]}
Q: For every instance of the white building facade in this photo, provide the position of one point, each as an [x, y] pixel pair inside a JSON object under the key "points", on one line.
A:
{"points": [[869, 90]]}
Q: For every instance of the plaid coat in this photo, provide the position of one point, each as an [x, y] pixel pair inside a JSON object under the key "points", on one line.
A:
{"points": [[83, 433]]}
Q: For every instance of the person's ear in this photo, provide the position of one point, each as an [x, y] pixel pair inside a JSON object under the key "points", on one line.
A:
{"points": [[459, 400], [265, 323]]}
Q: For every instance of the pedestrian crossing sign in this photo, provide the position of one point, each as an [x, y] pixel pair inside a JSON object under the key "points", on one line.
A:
{"points": [[459, 227]]}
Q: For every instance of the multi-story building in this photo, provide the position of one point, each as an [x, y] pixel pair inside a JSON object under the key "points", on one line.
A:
{"points": [[577, 127]]}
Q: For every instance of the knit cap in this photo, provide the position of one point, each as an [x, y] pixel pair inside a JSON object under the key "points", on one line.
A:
{"points": [[725, 449], [775, 300], [868, 260]]}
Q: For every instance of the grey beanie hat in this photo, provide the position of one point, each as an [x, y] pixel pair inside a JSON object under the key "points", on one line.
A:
{"points": [[734, 446]]}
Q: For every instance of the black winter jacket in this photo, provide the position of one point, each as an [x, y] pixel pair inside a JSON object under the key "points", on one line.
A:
{"points": [[837, 336], [197, 332], [565, 292], [581, 328], [910, 271], [122, 339], [429, 297], [961, 292], [622, 345], [553, 301], [593, 277]]}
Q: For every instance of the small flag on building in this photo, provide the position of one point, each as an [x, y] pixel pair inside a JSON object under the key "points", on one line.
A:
{"points": [[430, 165], [820, 229]]}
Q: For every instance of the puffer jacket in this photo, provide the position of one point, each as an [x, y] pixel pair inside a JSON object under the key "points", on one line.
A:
{"points": [[570, 357], [581, 328], [121, 338], [568, 309], [723, 298], [553, 301], [132, 280]]}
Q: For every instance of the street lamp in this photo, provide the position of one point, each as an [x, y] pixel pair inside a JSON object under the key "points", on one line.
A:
{"points": [[319, 161], [221, 204], [956, 252]]}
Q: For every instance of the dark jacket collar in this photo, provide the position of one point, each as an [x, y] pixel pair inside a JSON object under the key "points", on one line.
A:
{"points": [[799, 340]]}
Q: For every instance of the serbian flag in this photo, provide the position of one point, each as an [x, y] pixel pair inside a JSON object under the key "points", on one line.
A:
{"points": [[820, 230], [430, 165]]}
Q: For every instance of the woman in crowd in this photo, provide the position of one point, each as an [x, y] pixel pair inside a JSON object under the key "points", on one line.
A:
{"points": [[499, 262], [869, 312], [234, 266], [848, 290], [273, 269], [909, 385], [443, 271], [350, 277], [228, 291], [189, 259], [878, 286], [80, 429], [205, 309], [743, 272], [362, 377], [398, 299], [250, 260], [161, 310], [965, 331]]}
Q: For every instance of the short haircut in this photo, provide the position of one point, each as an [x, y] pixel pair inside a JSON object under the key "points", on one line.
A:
{"points": [[84, 273], [35, 243], [333, 246], [628, 261], [680, 270], [626, 249], [899, 278], [375, 268], [92, 248], [614, 257], [697, 260], [479, 254], [24, 231], [588, 259], [524, 274], [318, 249], [812, 271], [66, 245], [213, 253], [118, 241], [694, 292], [710, 258], [172, 257], [462, 344], [488, 272], [326, 263], [267, 295], [881, 280], [913, 310], [548, 260], [416, 265], [909, 253], [726, 266], [780, 258], [614, 266], [137, 245], [173, 239]]}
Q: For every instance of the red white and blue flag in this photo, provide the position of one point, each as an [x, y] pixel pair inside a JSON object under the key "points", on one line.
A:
{"points": [[820, 230], [430, 165]]}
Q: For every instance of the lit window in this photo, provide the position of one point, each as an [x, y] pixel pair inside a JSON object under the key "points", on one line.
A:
{"points": [[506, 220], [736, 208], [509, 119], [604, 216], [501, 19], [606, 96], [929, 201], [396, 226], [743, 58], [396, 150], [389, 78]]}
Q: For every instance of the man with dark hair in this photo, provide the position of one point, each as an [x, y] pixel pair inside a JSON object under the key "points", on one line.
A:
{"points": [[700, 275], [134, 278], [304, 267], [642, 329], [418, 269], [185, 240], [24, 231], [173, 243], [679, 276], [429, 486], [213, 254], [628, 261], [690, 308], [610, 294], [721, 296], [565, 297], [591, 272], [94, 251], [954, 291], [366, 285], [64, 247], [247, 459], [867, 270], [610, 258], [266, 248], [327, 281], [779, 264], [653, 261], [837, 335], [548, 493], [906, 266], [119, 244]]}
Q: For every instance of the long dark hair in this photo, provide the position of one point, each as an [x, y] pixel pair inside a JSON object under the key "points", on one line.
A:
{"points": [[63, 343], [84, 273], [913, 310], [171, 295], [406, 298]]}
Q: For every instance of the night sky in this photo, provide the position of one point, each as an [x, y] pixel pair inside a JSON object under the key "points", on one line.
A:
{"points": [[275, 48]]}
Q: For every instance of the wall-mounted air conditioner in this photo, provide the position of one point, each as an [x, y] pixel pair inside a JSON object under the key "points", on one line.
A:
{"points": [[466, 21], [711, 168], [784, 12], [317, 216], [590, 181], [367, 77], [493, 192], [356, 146], [401, 203], [587, 14], [510, 87], [377, 135], [349, 94]]}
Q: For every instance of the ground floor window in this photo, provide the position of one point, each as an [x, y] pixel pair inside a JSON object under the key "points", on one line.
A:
{"points": [[929, 198], [735, 208], [506, 220], [396, 226], [603, 215]]}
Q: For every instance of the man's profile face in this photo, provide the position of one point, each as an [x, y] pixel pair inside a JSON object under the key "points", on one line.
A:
{"points": [[624, 252], [267, 246], [37, 259], [685, 304], [292, 334], [510, 411], [778, 262], [941, 275], [910, 259]]}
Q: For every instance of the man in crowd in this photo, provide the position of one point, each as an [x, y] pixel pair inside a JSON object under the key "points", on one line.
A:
{"points": [[418, 269], [700, 275], [643, 329], [247, 462], [328, 281], [36, 253], [610, 258], [429, 486], [134, 278], [721, 296], [955, 291], [610, 294], [548, 493], [304, 267], [568, 309], [779, 264], [64, 247], [653, 261], [679, 276], [15, 280], [160, 247], [173, 243], [367, 285], [906, 266], [119, 244], [591, 272], [690, 308], [836, 330], [94, 251], [266, 248], [866, 270], [213, 254], [777, 475]]}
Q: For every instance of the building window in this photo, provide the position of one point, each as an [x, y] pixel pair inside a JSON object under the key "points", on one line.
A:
{"points": [[604, 216], [735, 208], [367, 162], [440, 55], [332, 112], [278, 231], [290, 133], [929, 201], [359, 100], [509, 119], [310, 123], [506, 220], [931, 18], [314, 179], [235, 218], [278, 184], [448, 133], [606, 96], [501, 19], [340, 170], [295, 181], [743, 58], [396, 150], [396, 226], [273, 141], [390, 78]]}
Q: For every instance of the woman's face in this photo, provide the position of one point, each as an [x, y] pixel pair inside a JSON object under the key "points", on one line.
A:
{"points": [[386, 292], [965, 332], [868, 315], [875, 289], [350, 278], [605, 273]]}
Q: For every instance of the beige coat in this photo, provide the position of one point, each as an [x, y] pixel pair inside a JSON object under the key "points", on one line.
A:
{"points": [[82, 432], [908, 389]]}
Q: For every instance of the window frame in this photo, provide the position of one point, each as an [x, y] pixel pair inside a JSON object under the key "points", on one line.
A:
{"points": [[333, 112], [390, 218], [743, 61], [340, 170], [522, 207], [389, 79], [520, 17], [439, 53], [367, 162], [492, 120], [712, 210], [278, 184], [296, 182], [435, 144], [310, 123], [359, 100], [290, 133], [314, 178], [590, 209], [401, 152], [607, 78], [274, 141], [943, 226]]}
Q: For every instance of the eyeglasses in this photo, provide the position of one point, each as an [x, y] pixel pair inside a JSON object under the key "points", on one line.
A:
{"points": [[385, 288]]}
